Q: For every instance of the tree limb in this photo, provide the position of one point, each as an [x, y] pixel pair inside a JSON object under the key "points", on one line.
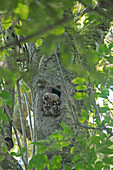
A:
{"points": [[22, 123]]}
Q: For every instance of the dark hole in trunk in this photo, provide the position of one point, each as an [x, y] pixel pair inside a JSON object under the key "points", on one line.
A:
{"points": [[55, 91]]}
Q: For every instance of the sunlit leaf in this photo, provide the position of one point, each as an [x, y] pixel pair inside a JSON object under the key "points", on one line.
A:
{"points": [[79, 80], [58, 31], [73, 149], [80, 96], [22, 10], [38, 42], [81, 87]]}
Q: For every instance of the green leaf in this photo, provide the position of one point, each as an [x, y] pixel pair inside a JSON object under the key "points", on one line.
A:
{"points": [[108, 160], [96, 139], [39, 42], [1, 158], [39, 161], [22, 10], [81, 87], [106, 144], [41, 147], [84, 113], [103, 49], [6, 5], [55, 162], [92, 156], [51, 43], [4, 149], [79, 80], [6, 96], [103, 150], [9, 77], [76, 158], [73, 149], [80, 96], [66, 53], [15, 154], [87, 2], [98, 165], [58, 31], [66, 167], [89, 167], [4, 117], [104, 109], [67, 129]]}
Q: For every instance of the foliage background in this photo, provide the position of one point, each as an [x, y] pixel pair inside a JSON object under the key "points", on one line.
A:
{"points": [[83, 33]]}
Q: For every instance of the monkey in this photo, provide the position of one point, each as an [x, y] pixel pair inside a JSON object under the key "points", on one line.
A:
{"points": [[50, 97], [47, 109], [56, 111], [51, 105]]}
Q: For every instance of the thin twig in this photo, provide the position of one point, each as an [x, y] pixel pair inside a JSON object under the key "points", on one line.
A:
{"points": [[34, 128], [103, 127], [66, 91], [88, 127]]}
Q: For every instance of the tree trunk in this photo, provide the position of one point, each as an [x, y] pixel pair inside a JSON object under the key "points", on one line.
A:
{"points": [[48, 79]]}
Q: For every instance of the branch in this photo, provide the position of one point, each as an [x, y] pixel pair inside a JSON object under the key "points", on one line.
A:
{"points": [[22, 122], [29, 115], [34, 128], [103, 127], [88, 127], [16, 134], [43, 31]]}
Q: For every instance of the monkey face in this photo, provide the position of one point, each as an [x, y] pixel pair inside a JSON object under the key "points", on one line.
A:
{"points": [[56, 103], [50, 97], [46, 107], [56, 108], [46, 98], [56, 111]]}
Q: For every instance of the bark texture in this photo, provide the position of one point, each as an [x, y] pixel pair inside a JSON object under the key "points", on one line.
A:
{"points": [[46, 79]]}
